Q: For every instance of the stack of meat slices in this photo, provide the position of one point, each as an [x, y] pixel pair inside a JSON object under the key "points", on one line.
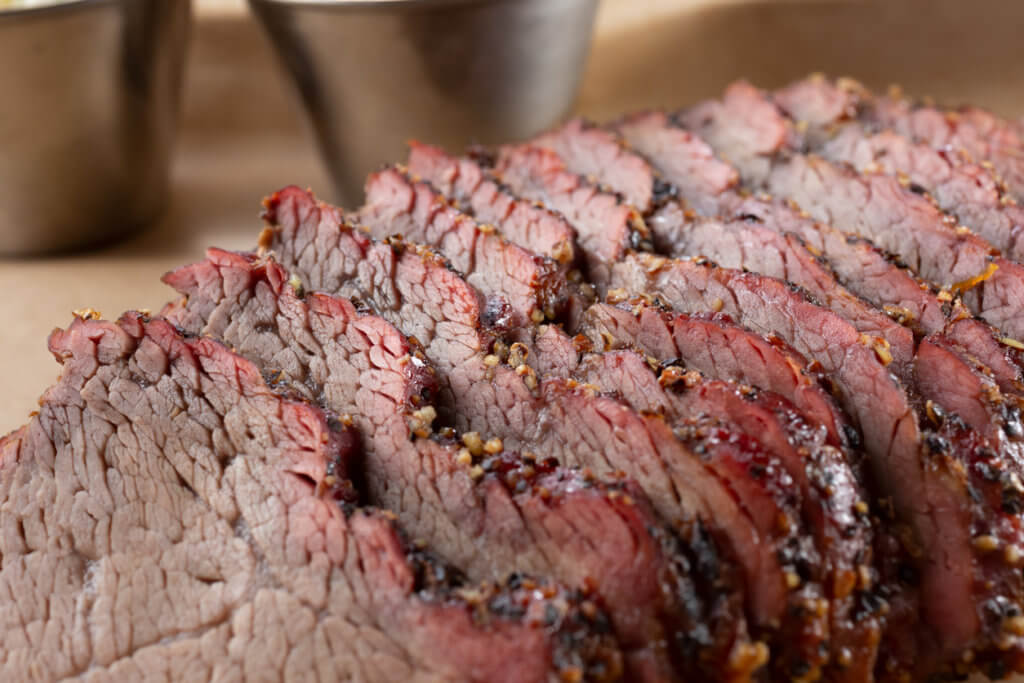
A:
{"points": [[726, 394]]}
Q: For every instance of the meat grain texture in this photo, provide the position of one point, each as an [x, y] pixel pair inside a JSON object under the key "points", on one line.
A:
{"points": [[731, 393]]}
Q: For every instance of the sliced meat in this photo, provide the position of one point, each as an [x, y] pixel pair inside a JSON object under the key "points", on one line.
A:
{"points": [[512, 405], [961, 188], [596, 152], [492, 398], [479, 194], [748, 244], [896, 290], [686, 161], [873, 398], [983, 136], [654, 135], [999, 299], [1004, 357], [603, 157], [994, 530], [681, 158], [932, 499], [745, 129], [946, 375], [551, 352], [691, 473], [746, 251], [414, 290], [833, 498], [480, 509], [591, 151], [878, 207], [421, 296], [606, 228], [767, 496], [796, 447], [758, 486], [816, 102], [874, 205], [718, 348], [411, 287], [168, 509], [398, 205], [860, 265]]}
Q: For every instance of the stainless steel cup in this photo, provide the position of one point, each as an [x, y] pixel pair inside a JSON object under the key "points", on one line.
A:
{"points": [[374, 73], [89, 102]]}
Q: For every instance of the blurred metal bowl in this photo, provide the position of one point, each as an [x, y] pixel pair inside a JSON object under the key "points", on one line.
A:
{"points": [[90, 100], [374, 73]]}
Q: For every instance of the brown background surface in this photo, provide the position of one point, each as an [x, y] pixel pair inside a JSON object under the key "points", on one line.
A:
{"points": [[242, 134]]}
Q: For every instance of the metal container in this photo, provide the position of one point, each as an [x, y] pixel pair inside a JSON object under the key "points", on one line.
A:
{"points": [[90, 100], [374, 73]]}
